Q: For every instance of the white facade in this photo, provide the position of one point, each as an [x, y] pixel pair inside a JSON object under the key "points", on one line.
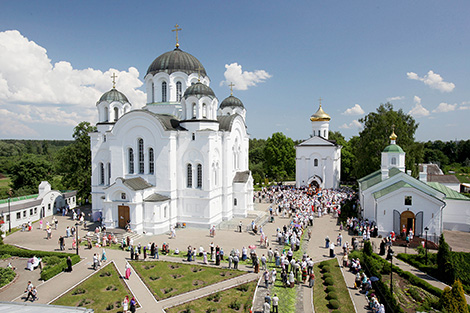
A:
{"points": [[174, 161], [318, 160]]}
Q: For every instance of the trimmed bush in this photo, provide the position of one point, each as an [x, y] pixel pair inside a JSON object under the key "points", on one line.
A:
{"points": [[330, 289], [50, 271], [6, 276], [333, 304], [329, 281], [323, 263], [326, 275], [325, 269], [332, 295]]}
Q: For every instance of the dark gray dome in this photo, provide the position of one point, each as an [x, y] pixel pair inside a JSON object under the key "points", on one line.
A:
{"points": [[114, 95], [199, 90], [231, 102], [176, 61]]}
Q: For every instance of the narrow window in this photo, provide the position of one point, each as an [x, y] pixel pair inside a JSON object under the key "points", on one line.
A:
{"points": [[204, 111], [105, 115], [101, 174], [141, 156], [189, 175], [164, 212], [315, 162], [164, 92], [194, 110], [393, 161], [35, 210], [18, 215], [151, 161], [30, 211], [199, 176], [48, 206], [324, 133], [153, 92], [235, 201], [194, 136], [109, 173], [116, 114], [408, 200], [131, 161], [179, 91]]}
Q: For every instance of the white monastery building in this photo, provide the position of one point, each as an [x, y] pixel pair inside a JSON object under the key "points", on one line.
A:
{"points": [[182, 158], [395, 200], [318, 160]]}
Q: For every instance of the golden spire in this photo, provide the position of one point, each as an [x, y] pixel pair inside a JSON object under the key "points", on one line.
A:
{"points": [[176, 30], [114, 80], [320, 115], [231, 88], [393, 136]]}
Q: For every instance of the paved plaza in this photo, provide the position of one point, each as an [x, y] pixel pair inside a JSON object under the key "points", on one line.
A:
{"points": [[227, 238]]}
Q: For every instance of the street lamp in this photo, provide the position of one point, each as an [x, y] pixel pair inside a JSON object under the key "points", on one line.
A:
{"points": [[76, 232], [391, 270], [9, 212], [426, 247]]}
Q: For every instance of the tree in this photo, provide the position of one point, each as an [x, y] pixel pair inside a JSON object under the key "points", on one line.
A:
{"points": [[74, 161], [28, 172], [445, 266], [374, 138], [279, 155], [453, 300], [347, 157]]}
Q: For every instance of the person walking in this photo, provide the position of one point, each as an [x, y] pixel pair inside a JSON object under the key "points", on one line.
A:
{"points": [[125, 304], [240, 227], [29, 289], [34, 294], [266, 278], [132, 304], [275, 302], [128, 273], [311, 280], [69, 264]]}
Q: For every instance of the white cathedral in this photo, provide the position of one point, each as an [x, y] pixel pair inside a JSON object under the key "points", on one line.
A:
{"points": [[182, 158]]}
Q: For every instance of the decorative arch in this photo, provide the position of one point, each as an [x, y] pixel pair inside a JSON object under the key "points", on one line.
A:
{"points": [[408, 220], [315, 180]]}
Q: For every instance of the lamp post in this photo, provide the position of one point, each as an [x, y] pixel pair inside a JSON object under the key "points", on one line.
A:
{"points": [[426, 244], [76, 233], [9, 212], [391, 271]]}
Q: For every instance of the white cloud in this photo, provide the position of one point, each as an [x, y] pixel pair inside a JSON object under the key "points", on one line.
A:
{"points": [[418, 110], [355, 110], [445, 107], [353, 124], [34, 89], [433, 80], [395, 98], [243, 79]]}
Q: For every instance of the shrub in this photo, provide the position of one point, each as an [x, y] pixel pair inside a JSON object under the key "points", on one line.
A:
{"points": [[325, 269], [326, 275], [110, 307], [78, 291], [414, 293], [329, 281], [333, 304], [243, 288], [235, 305], [5, 256], [367, 248], [445, 265], [6, 276], [323, 263], [332, 295], [330, 289], [50, 271]]}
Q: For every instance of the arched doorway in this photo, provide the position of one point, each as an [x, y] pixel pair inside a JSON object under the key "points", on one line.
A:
{"points": [[314, 181], [407, 219]]}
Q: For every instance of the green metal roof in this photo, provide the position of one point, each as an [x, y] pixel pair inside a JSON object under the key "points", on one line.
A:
{"points": [[450, 193], [199, 90], [19, 198], [393, 148], [391, 188], [376, 177], [113, 95], [176, 61], [231, 102]]}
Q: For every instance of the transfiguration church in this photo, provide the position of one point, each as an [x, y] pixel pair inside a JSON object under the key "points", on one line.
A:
{"points": [[182, 158]]}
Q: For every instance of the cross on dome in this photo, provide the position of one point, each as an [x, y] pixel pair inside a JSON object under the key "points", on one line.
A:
{"points": [[320, 99], [176, 30], [231, 88], [114, 76]]}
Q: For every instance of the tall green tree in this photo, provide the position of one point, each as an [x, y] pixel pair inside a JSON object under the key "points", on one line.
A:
{"points": [[375, 137], [28, 172], [347, 156], [279, 155], [74, 161], [445, 266]]}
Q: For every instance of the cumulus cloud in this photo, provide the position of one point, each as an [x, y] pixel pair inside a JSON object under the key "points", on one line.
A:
{"points": [[418, 110], [445, 107], [397, 98], [355, 110], [243, 79], [33, 89], [433, 80], [353, 124]]}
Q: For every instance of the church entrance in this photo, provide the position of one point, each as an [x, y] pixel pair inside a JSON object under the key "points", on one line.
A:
{"points": [[407, 219], [124, 215]]}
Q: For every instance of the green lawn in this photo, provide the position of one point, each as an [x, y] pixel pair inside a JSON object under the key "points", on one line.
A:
{"points": [[99, 292], [240, 297], [167, 279], [320, 296]]}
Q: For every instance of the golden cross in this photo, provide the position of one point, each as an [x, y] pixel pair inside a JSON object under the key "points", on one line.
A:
{"points": [[199, 73], [320, 99], [176, 30], [231, 88], [114, 80]]}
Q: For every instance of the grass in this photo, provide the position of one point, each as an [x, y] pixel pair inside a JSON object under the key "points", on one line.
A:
{"points": [[225, 301], [100, 292], [167, 279], [319, 296]]}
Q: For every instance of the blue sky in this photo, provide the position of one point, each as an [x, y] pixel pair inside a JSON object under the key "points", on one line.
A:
{"points": [[56, 58]]}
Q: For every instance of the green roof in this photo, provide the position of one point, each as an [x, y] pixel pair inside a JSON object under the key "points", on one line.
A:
{"points": [[376, 177], [19, 198], [450, 193], [393, 148], [391, 188]]}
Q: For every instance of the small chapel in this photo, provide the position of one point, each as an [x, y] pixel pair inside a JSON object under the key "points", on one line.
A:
{"points": [[317, 159], [182, 158]]}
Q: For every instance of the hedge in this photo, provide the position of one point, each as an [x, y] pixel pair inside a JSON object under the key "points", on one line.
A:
{"points": [[48, 271], [6, 276]]}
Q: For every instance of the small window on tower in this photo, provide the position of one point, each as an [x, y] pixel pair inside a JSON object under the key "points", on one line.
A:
{"points": [[123, 196], [179, 91], [393, 161], [194, 136], [408, 200], [315, 162]]}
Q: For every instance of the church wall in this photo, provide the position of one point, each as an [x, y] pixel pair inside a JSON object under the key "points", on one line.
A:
{"points": [[456, 215], [328, 168]]}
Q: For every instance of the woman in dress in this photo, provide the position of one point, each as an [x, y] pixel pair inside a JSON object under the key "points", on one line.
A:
{"points": [[128, 271], [125, 304], [103, 256]]}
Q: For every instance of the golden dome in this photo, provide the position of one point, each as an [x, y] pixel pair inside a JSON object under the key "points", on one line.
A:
{"points": [[393, 136], [320, 115]]}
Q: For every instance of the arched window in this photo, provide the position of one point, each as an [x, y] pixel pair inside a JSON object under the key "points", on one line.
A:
{"points": [[106, 114], [141, 156], [151, 161], [164, 212], [179, 91], [189, 176], [153, 92], [116, 114], [393, 161], [324, 133], [164, 92], [131, 161], [204, 111], [314, 133], [109, 174], [315, 162], [199, 176], [194, 110], [101, 174]]}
